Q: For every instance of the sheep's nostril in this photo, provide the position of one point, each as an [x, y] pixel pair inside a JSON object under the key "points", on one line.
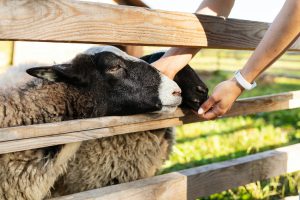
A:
{"points": [[202, 89], [176, 93]]}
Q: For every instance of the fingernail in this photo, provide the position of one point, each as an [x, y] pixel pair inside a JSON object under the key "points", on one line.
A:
{"points": [[200, 111]]}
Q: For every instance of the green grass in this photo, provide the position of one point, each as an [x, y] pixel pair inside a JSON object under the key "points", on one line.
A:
{"points": [[224, 139]]}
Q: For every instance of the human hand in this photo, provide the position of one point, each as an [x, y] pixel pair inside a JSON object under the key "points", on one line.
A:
{"points": [[221, 100]]}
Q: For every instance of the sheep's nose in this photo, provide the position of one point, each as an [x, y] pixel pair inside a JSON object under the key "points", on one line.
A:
{"points": [[176, 92]]}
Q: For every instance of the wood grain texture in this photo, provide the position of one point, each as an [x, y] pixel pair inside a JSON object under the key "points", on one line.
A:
{"points": [[202, 181], [253, 105], [51, 140], [43, 135], [86, 22], [165, 187], [210, 179], [31, 131]]}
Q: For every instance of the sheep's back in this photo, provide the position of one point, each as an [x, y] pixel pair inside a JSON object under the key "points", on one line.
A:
{"points": [[116, 159]]}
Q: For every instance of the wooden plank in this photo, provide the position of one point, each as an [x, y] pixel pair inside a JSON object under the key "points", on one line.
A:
{"points": [[43, 135], [169, 186], [245, 106], [266, 103], [259, 104], [202, 181], [51, 140], [31, 131], [210, 179], [87, 22]]}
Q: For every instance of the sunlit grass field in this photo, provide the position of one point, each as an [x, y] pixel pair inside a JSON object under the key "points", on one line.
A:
{"points": [[213, 141]]}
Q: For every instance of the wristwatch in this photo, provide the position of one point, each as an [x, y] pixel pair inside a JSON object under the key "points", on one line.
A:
{"points": [[243, 82]]}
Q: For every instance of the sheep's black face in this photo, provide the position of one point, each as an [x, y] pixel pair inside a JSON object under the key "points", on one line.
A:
{"points": [[127, 85], [133, 86]]}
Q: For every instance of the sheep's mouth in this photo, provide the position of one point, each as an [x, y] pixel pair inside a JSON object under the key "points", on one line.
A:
{"points": [[172, 105], [169, 108]]}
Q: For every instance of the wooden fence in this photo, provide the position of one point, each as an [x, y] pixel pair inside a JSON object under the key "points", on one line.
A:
{"points": [[85, 22]]}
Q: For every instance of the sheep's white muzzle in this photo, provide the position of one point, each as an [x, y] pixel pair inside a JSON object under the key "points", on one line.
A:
{"points": [[169, 94]]}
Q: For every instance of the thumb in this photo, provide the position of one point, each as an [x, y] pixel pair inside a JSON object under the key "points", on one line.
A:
{"points": [[206, 105]]}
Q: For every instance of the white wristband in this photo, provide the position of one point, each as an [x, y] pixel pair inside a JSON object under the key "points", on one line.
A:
{"points": [[243, 82]]}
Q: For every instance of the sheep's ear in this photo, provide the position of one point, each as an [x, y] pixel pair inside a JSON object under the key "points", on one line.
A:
{"points": [[47, 73], [59, 73], [152, 57], [56, 73]]}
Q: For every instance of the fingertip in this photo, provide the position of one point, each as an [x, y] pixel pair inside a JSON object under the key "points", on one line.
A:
{"points": [[200, 111]]}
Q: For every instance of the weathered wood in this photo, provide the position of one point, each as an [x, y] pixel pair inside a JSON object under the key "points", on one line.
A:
{"points": [[42, 135], [210, 179], [31, 131], [51, 140], [136, 51], [252, 105], [169, 186], [266, 103], [202, 181], [87, 22]]}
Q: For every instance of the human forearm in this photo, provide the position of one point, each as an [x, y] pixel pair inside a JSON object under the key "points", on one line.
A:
{"points": [[283, 31], [174, 60], [215, 7], [177, 57]]}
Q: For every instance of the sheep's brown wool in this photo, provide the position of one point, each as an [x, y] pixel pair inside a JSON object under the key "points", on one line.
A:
{"points": [[99, 82]]}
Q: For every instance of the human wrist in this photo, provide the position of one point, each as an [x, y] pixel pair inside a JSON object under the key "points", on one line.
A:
{"points": [[236, 86]]}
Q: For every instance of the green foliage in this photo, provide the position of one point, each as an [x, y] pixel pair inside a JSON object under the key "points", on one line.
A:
{"points": [[215, 59], [224, 139]]}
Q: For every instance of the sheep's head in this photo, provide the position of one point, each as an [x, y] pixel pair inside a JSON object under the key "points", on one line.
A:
{"points": [[194, 90], [129, 85]]}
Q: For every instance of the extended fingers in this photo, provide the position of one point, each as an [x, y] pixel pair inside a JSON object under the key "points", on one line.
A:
{"points": [[211, 108], [221, 100], [214, 112], [207, 105]]}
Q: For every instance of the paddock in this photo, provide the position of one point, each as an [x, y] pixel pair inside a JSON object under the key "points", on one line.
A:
{"points": [[86, 22]]}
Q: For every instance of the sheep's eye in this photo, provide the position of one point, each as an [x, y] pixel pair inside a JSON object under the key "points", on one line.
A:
{"points": [[114, 68]]}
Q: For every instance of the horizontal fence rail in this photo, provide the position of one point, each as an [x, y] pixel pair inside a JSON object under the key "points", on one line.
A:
{"points": [[87, 22], [43, 135], [201, 181]]}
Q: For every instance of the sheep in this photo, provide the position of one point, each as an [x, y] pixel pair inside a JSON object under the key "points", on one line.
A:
{"points": [[102, 81]]}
